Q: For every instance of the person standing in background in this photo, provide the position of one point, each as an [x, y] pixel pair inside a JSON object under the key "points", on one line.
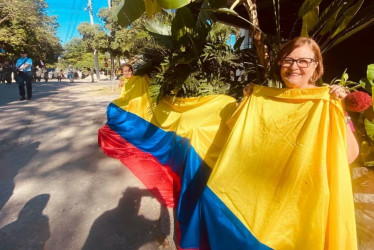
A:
{"points": [[23, 66], [7, 73], [38, 74], [70, 71], [126, 74]]}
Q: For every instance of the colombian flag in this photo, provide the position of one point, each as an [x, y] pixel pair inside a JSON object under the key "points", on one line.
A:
{"points": [[271, 174], [170, 147]]}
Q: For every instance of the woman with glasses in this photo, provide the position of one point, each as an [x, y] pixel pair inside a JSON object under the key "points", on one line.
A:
{"points": [[282, 180], [299, 65], [127, 71]]}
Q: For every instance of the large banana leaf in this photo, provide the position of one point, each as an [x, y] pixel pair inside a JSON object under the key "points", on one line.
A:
{"points": [[349, 33], [173, 4], [128, 11], [183, 29], [157, 27], [161, 33], [151, 7], [347, 17], [205, 20], [307, 6], [310, 20], [330, 22]]}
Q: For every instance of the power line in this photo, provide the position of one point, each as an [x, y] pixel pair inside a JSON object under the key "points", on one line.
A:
{"points": [[76, 19], [71, 16]]}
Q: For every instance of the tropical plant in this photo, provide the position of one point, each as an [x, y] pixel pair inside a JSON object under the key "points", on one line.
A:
{"points": [[328, 23], [337, 22], [364, 120]]}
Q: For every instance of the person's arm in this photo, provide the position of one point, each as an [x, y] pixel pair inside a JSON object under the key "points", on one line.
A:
{"points": [[26, 64], [339, 92], [352, 145], [248, 89], [121, 82]]}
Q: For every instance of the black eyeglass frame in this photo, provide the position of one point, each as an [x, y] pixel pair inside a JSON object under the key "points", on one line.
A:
{"points": [[298, 61]]}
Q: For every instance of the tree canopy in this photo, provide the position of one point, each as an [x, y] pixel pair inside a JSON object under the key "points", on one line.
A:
{"points": [[34, 31]]}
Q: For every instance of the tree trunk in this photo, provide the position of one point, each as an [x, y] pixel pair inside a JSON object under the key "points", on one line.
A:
{"points": [[258, 38]]}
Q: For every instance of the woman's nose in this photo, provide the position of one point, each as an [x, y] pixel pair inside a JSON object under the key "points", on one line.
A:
{"points": [[294, 65]]}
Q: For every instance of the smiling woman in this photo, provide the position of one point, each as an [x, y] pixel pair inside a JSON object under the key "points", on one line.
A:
{"points": [[308, 67], [299, 65]]}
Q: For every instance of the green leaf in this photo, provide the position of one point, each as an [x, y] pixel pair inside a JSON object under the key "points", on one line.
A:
{"points": [[238, 43], [182, 29], [226, 11], [204, 21], [364, 82], [370, 74], [364, 149], [217, 3], [157, 27], [369, 127], [128, 11], [348, 15], [173, 4], [164, 41], [307, 6], [330, 22], [350, 33], [344, 78], [151, 7], [310, 20]]}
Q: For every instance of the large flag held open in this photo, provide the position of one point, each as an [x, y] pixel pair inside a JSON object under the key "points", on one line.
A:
{"points": [[270, 174]]}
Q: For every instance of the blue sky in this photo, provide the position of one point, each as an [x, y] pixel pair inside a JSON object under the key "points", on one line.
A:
{"points": [[71, 13]]}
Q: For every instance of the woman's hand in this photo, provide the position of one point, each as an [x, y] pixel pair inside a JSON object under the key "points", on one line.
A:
{"points": [[338, 92], [248, 89]]}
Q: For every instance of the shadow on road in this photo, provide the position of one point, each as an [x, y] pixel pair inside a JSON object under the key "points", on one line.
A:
{"points": [[26, 153], [40, 89], [30, 230], [124, 228]]}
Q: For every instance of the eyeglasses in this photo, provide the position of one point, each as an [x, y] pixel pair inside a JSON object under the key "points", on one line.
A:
{"points": [[301, 62]]}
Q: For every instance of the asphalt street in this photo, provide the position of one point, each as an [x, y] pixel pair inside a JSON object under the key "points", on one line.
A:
{"points": [[58, 190]]}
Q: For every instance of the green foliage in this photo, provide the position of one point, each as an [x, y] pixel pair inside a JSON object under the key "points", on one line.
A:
{"points": [[185, 73], [187, 43], [94, 37], [76, 54], [365, 122], [366, 83], [128, 11], [34, 30], [337, 22]]}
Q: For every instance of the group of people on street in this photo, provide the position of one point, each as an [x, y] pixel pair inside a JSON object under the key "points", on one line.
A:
{"points": [[25, 74]]}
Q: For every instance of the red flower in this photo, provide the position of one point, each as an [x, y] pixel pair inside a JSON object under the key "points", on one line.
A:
{"points": [[357, 101]]}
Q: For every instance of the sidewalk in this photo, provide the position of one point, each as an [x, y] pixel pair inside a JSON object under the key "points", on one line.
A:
{"points": [[58, 190]]}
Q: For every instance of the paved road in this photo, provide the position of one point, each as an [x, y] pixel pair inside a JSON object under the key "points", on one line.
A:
{"points": [[58, 190]]}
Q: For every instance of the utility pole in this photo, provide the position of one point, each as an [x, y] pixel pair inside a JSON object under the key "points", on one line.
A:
{"points": [[111, 54], [95, 51]]}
